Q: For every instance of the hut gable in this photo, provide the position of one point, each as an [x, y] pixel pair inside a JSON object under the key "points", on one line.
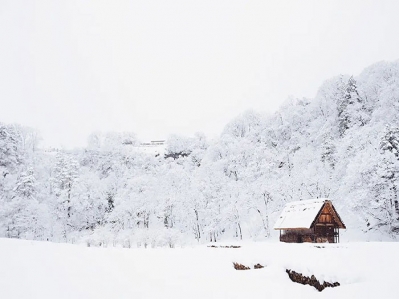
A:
{"points": [[328, 215], [314, 220]]}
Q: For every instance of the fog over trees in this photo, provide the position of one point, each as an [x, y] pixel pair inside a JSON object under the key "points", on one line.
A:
{"points": [[343, 144]]}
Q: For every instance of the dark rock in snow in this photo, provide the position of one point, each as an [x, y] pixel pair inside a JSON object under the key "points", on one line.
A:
{"points": [[312, 281]]}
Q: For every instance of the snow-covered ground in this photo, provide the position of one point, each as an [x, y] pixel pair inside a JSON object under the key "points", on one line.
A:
{"points": [[30, 269]]}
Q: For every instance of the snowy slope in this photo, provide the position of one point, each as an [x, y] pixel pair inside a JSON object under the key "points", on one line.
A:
{"points": [[45, 270]]}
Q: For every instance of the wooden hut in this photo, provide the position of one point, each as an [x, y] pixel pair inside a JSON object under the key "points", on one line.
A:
{"points": [[314, 220]]}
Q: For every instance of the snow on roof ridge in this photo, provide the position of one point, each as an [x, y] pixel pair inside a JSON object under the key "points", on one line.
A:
{"points": [[307, 201]]}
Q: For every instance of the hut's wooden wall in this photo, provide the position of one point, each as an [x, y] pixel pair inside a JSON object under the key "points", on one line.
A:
{"points": [[297, 236], [325, 225]]}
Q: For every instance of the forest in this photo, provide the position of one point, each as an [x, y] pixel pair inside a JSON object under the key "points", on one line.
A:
{"points": [[343, 145]]}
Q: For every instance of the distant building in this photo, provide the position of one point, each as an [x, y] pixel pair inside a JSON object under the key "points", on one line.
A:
{"points": [[314, 220], [153, 143], [156, 147]]}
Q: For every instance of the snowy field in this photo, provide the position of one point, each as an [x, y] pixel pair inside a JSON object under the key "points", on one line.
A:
{"points": [[30, 269]]}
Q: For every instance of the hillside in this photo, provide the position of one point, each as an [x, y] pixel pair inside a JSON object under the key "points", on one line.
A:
{"points": [[342, 145]]}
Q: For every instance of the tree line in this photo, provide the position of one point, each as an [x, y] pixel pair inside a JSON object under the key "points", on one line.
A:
{"points": [[342, 144]]}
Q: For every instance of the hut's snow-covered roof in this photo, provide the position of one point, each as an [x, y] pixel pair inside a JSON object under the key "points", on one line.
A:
{"points": [[299, 214]]}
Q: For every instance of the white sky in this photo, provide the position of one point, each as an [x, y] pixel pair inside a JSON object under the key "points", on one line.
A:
{"points": [[69, 68]]}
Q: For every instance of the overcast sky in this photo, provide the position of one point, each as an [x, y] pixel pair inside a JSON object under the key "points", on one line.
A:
{"points": [[69, 68]]}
